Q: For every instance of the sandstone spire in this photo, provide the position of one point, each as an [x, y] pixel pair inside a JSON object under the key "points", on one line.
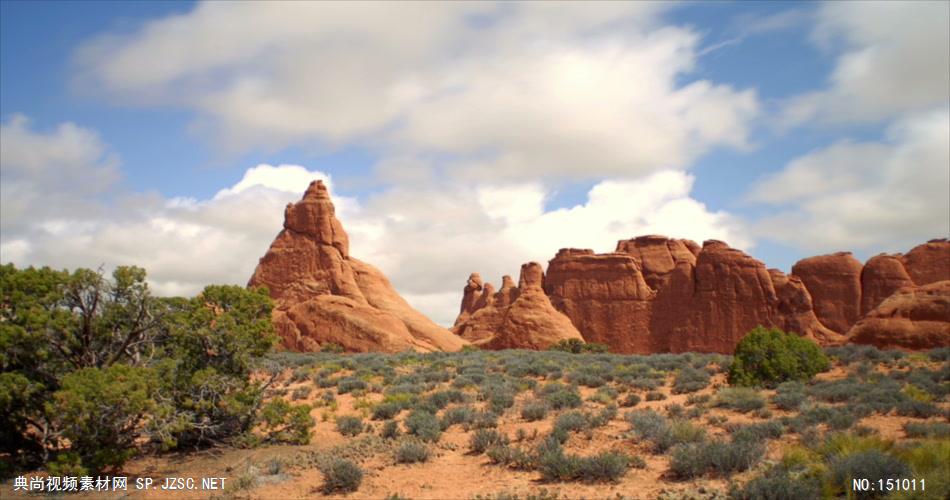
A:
{"points": [[323, 295]]}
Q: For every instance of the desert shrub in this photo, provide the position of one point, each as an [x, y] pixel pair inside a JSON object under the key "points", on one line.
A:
{"points": [[534, 410], [424, 425], [661, 433], [577, 346], [585, 379], [411, 451], [457, 415], [390, 430], [788, 400], [675, 410], [511, 456], [761, 431], [778, 483], [386, 411], [689, 379], [571, 421], [301, 393], [349, 425], [341, 476], [741, 399], [917, 409], [560, 396], [283, 422], [604, 395], [870, 464], [483, 420], [927, 429], [837, 391], [771, 356], [644, 383], [630, 400], [603, 417], [698, 399], [349, 384], [696, 459], [655, 396], [501, 400], [483, 439], [608, 466], [331, 348]]}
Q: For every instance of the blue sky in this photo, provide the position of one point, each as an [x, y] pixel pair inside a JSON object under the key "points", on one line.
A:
{"points": [[787, 129]]}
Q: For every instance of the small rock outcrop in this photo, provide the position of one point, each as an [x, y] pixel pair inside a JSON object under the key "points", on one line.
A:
{"points": [[519, 317], [323, 295], [915, 317]]}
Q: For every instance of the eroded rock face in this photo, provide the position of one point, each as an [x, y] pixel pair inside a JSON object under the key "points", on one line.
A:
{"points": [[915, 317], [881, 277], [517, 318], [928, 263], [656, 294], [834, 282], [323, 295]]}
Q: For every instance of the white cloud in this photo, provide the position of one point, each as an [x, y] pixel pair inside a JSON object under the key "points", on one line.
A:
{"points": [[426, 238], [432, 238], [882, 196], [896, 59], [502, 89]]}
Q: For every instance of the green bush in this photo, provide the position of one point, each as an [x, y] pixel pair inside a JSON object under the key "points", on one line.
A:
{"points": [[411, 451], [349, 425], [341, 476], [100, 412], [770, 356], [283, 422], [630, 400]]}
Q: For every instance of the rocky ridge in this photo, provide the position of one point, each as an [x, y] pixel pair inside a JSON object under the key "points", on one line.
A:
{"points": [[657, 294]]}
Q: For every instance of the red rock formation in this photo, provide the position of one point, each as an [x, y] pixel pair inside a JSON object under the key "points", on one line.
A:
{"points": [[915, 317], [605, 296], [834, 282], [881, 277], [324, 295], [529, 321], [796, 312], [656, 294], [929, 262]]}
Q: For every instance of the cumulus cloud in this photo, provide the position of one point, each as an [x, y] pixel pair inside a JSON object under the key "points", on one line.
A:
{"points": [[491, 89], [426, 237], [882, 196], [895, 59]]}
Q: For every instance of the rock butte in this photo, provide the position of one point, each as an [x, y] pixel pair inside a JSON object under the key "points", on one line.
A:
{"points": [[657, 294], [323, 295]]}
